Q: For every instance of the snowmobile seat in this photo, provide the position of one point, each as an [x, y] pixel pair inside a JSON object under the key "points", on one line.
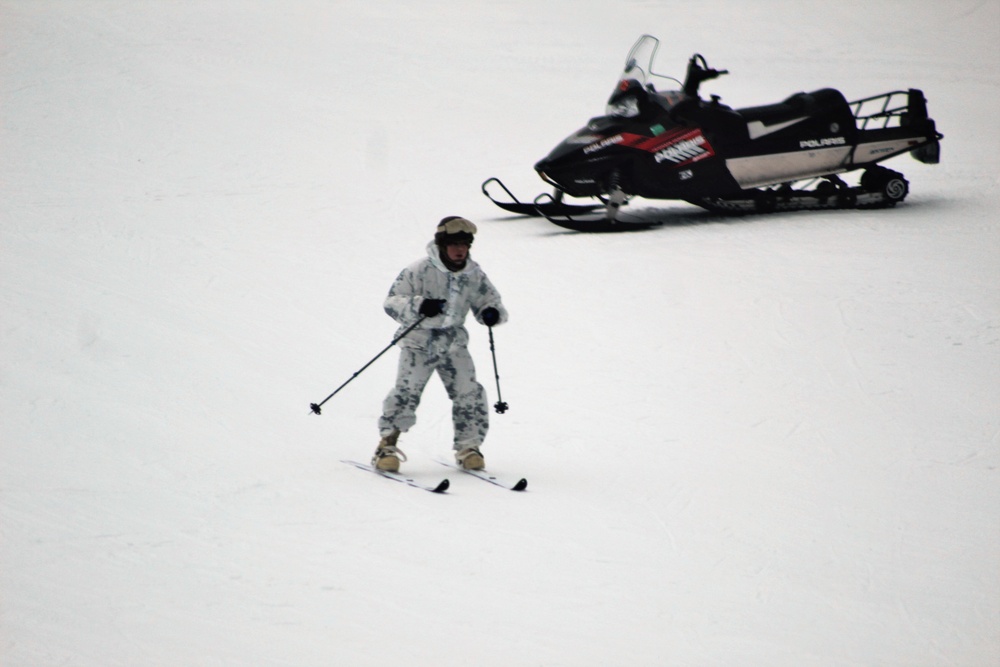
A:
{"points": [[825, 102]]}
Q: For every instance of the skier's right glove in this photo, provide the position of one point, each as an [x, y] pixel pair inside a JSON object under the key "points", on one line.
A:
{"points": [[432, 307], [490, 316]]}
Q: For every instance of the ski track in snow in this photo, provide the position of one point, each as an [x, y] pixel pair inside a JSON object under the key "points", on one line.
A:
{"points": [[755, 441]]}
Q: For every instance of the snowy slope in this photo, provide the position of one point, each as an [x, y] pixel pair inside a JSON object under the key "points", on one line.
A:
{"points": [[763, 441]]}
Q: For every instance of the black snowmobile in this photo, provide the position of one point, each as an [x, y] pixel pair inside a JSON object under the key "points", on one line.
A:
{"points": [[668, 143]]}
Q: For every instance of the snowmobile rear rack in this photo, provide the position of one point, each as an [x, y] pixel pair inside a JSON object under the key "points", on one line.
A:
{"points": [[899, 109], [896, 109]]}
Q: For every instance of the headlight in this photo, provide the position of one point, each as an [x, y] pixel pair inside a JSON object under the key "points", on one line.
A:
{"points": [[627, 107], [583, 139]]}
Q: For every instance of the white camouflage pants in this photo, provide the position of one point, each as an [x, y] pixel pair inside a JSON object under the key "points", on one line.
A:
{"points": [[469, 412]]}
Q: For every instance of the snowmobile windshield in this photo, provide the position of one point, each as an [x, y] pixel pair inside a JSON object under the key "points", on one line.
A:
{"points": [[638, 80]]}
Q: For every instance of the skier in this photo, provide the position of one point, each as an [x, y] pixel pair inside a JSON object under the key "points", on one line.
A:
{"points": [[441, 288]]}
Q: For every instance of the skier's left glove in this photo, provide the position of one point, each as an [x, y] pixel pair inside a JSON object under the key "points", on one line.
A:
{"points": [[490, 316]]}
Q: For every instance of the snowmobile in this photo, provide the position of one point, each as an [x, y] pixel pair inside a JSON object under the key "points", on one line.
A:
{"points": [[662, 141]]}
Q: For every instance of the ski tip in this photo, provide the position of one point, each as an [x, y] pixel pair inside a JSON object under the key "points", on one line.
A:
{"points": [[442, 487], [521, 485]]}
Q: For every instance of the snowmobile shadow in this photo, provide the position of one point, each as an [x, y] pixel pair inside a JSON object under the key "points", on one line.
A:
{"points": [[648, 219], [651, 218], [659, 218]]}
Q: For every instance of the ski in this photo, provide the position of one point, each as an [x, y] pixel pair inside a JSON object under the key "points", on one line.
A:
{"points": [[519, 485], [440, 487]]}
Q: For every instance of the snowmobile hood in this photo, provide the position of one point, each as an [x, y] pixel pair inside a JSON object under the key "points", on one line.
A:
{"points": [[596, 131]]}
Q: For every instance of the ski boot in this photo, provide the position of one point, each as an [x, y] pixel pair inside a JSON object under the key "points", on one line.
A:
{"points": [[470, 458], [387, 457]]}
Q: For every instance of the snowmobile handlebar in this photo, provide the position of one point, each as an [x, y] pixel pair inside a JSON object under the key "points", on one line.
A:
{"points": [[698, 71]]}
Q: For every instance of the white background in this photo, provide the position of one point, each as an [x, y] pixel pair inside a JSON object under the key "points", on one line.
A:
{"points": [[753, 441]]}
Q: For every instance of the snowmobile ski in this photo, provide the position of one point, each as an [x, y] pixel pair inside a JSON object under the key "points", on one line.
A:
{"points": [[600, 225], [440, 487], [519, 485], [554, 207]]}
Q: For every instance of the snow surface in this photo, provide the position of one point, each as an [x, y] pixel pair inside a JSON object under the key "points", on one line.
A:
{"points": [[758, 441]]}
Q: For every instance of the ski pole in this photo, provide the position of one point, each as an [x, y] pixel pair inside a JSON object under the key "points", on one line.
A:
{"points": [[315, 407], [499, 406]]}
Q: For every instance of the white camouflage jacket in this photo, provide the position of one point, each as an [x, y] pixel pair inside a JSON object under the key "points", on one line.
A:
{"points": [[428, 278]]}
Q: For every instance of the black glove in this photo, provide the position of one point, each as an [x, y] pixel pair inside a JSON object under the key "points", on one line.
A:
{"points": [[431, 307], [490, 316]]}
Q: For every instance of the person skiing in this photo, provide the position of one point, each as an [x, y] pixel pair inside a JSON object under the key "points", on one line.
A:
{"points": [[439, 290]]}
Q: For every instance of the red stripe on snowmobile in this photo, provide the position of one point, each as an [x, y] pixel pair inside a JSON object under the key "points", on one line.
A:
{"points": [[680, 147], [649, 144]]}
